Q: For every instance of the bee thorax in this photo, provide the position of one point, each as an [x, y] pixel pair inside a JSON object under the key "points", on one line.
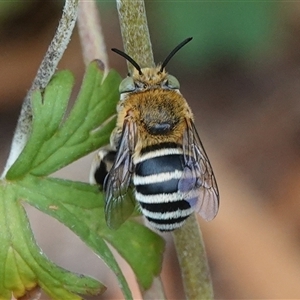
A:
{"points": [[159, 120], [159, 128]]}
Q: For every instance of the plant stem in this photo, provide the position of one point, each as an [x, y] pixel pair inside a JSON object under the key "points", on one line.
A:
{"points": [[188, 239], [45, 72], [135, 32], [90, 32], [137, 44], [192, 259]]}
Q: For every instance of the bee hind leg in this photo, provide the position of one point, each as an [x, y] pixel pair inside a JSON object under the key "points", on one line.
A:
{"points": [[101, 165]]}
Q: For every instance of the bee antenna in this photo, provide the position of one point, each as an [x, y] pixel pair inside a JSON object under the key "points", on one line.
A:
{"points": [[130, 59], [173, 52]]}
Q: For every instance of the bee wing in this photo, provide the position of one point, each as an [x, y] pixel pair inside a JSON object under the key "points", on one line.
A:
{"points": [[198, 179], [120, 203]]}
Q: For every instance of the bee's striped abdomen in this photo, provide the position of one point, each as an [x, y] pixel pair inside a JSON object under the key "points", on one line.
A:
{"points": [[157, 174]]}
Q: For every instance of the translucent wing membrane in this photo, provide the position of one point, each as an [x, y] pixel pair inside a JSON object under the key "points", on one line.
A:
{"points": [[198, 174], [120, 202]]}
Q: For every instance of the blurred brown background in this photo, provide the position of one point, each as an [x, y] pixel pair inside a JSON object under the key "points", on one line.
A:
{"points": [[241, 76]]}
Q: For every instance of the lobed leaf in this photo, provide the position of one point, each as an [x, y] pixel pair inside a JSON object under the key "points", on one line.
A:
{"points": [[48, 111], [56, 140], [81, 207], [55, 143], [24, 264]]}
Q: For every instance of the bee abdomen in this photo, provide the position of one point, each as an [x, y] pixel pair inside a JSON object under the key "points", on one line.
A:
{"points": [[156, 179], [166, 216]]}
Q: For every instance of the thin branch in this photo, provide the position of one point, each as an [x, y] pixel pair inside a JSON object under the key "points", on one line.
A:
{"points": [[45, 72], [90, 32], [135, 32], [192, 260]]}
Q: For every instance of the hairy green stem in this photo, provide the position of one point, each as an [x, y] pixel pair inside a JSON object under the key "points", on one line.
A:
{"points": [[135, 32], [137, 44], [45, 72], [188, 239], [90, 32], [192, 260]]}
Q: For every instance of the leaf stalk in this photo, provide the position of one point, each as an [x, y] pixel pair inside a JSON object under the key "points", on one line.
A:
{"points": [[45, 72]]}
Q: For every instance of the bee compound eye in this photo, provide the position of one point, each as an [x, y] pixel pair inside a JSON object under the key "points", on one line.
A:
{"points": [[172, 82], [127, 85]]}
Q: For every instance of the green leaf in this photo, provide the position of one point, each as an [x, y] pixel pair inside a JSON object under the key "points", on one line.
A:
{"points": [[81, 207], [50, 149], [48, 112], [23, 263], [57, 140], [147, 246]]}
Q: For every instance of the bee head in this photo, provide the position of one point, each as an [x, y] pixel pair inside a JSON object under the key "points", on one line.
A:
{"points": [[149, 77]]}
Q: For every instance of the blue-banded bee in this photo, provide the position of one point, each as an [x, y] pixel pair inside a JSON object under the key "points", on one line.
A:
{"points": [[157, 152]]}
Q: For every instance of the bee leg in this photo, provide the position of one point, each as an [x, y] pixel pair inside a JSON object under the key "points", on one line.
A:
{"points": [[115, 138], [101, 165]]}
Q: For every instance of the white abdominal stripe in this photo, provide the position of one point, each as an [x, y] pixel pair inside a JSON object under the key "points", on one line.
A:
{"points": [[177, 214], [166, 226], [165, 211], [157, 153], [166, 197], [158, 171], [156, 178]]}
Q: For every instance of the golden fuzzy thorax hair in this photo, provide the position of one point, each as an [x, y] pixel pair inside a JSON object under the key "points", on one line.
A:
{"points": [[151, 105]]}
